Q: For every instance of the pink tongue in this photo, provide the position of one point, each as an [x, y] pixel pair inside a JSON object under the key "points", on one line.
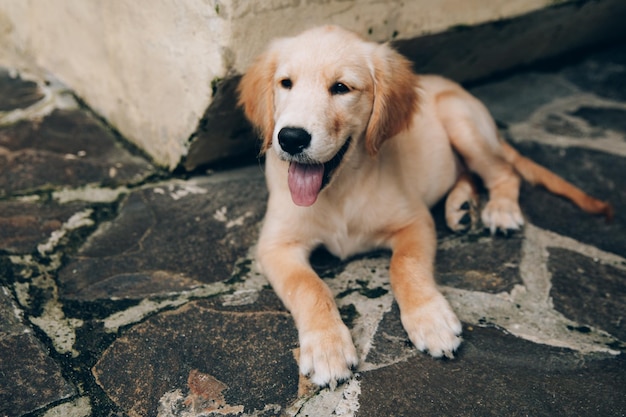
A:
{"points": [[305, 182]]}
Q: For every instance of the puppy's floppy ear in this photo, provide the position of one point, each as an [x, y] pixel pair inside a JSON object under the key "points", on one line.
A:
{"points": [[395, 97], [256, 96]]}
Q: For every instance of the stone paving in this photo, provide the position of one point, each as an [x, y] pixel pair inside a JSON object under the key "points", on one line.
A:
{"points": [[127, 291]]}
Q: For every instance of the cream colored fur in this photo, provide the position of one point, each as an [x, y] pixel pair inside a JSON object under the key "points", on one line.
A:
{"points": [[413, 139]]}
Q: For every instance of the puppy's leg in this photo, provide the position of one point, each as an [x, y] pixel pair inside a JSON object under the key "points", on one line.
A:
{"points": [[461, 204], [502, 211], [326, 349], [426, 315], [473, 135]]}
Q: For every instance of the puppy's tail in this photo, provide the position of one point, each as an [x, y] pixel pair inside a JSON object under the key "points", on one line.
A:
{"points": [[538, 175]]}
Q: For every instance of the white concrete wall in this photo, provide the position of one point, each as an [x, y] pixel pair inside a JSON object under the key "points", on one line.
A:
{"points": [[255, 22], [147, 66]]}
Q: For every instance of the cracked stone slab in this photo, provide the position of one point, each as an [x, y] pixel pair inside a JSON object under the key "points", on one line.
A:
{"points": [[597, 173], [578, 121], [527, 310], [603, 118], [10, 316], [603, 73], [494, 375], [67, 148], [81, 407], [390, 343], [25, 223], [197, 358], [515, 98], [16, 92], [588, 291], [486, 264], [25, 363], [362, 293], [169, 237]]}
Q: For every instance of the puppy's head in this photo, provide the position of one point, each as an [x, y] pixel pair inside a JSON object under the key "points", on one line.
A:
{"points": [[322, 95]]}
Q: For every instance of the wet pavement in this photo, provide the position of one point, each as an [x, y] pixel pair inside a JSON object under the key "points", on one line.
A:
{"points": [[127, 291]]}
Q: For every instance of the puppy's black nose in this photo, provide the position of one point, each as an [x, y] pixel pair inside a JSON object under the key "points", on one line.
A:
{"points": [[293, 139]]}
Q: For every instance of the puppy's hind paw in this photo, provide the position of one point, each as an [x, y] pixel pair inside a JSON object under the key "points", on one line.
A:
{"points": [[461, 204], [502, 215], [461, 218]]}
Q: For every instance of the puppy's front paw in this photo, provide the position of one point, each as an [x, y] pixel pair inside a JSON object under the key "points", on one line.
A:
{"points": [[328, 355], [502, 215], [433, 327]]}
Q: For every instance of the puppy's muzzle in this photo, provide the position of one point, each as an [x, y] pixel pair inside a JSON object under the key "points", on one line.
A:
{"points": [[293, 140]]}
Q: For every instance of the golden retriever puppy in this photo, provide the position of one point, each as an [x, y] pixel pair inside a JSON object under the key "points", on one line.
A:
{"points": [[358, 148]]}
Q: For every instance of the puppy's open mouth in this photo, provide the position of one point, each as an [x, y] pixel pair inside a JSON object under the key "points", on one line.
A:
{"points": [[306, 181]]}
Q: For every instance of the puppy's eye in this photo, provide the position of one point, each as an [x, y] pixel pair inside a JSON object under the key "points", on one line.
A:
{"points": [[286, 83], [339, 88]]}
